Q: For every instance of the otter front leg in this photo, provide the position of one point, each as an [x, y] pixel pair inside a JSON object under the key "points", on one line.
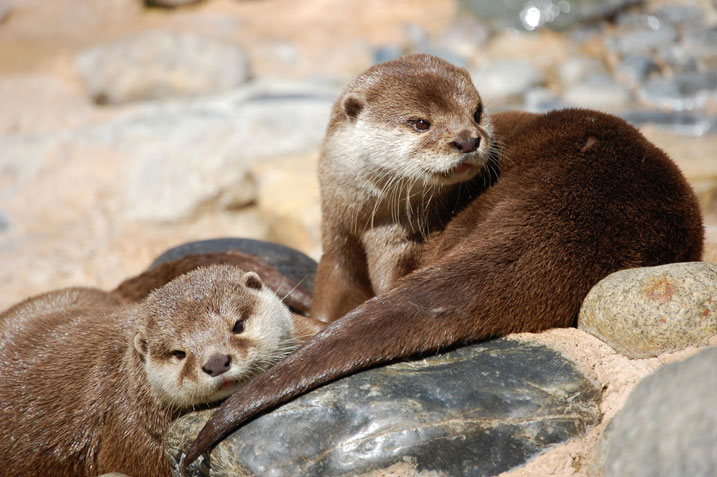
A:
{"points": [[342, 281]]}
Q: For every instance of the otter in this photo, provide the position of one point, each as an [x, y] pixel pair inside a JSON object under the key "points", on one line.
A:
{"points": [[578, 195], [90, 380], [391, 176]]}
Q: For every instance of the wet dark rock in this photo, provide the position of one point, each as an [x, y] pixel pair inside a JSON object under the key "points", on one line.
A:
{"points": [[702, 43], [682, 92], [635, 69], [161, 64], [478, 410], [530, 15], [669, 424], [687, 123], [288, 261]]}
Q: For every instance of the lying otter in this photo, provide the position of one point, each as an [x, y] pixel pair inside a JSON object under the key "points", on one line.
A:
{"points": [[90, 380]]}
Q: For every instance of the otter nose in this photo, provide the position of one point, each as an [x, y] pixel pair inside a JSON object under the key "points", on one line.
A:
{"points": [[466, 145], [217, 364]]}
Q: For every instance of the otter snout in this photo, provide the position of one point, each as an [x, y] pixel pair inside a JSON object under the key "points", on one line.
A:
{"points": [[217, 364], [466, 145]]}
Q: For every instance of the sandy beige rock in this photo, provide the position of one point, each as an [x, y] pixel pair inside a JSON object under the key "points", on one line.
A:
{"points": [[645, 312]]}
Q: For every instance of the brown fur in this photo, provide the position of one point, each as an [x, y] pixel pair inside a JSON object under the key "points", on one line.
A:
{"points": [[580, 195], [374, 218], [74, 393]]}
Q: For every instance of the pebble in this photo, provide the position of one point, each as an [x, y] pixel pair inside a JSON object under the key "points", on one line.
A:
{"points": [[635, 69], [478, 410], [702, 43], [506, 80], [681, 15], [645, 312], [686, 123], [161, 64], [578, 68], [668, 426], [600, 92], [682, 92], [642, 41], [531, 15], [170, 3]]}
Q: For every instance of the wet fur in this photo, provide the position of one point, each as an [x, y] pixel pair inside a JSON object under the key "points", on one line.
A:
{"points": [[87, 384], [581, 194]]}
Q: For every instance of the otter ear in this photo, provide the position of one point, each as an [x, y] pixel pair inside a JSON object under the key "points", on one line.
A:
{"points": [[140, 344], [252, 280], [352, 107]]}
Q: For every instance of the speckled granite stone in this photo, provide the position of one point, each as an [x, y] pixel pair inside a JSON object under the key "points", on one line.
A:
{"points": [[644, 312], [478, 410]]}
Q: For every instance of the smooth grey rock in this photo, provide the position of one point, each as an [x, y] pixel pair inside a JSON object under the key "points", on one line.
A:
{"points": [[474, 411], [681, 15], [4, 222], [506, 80], [702, 43], [161, 64], [644, 312], [542, 100], [682, 92], [292, 263], [599, 92], [642, 41], [668, 427], [677, 58], [687, 123], [635, 69], [577, 68], [531, 14]]}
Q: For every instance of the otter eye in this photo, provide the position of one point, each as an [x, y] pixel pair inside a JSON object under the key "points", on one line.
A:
{"points": [[238, 327], [180, 355], [420, 124], [478, 114]]}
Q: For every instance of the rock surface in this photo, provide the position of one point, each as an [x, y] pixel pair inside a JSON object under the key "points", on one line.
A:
{"points": [[477, 410], [643, 312], [290, 262], [161, 64], [669, 423]]}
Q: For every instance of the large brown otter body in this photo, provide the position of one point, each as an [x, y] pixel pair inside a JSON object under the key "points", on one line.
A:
{"points": [[90, 380], [581, 194]]}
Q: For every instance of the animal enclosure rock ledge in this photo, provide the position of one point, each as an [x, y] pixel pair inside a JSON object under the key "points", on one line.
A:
{"points": [[644, 312], [477, 410]]}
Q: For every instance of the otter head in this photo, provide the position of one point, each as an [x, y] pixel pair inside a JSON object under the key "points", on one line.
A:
{"points": [[207, 332], [417, 118]]}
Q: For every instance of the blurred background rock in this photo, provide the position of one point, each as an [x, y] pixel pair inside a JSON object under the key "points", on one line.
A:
{"points": [[127, 127]]}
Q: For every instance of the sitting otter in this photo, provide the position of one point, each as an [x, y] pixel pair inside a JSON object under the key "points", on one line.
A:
{"points": [[89, 380], [579, 194]]}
